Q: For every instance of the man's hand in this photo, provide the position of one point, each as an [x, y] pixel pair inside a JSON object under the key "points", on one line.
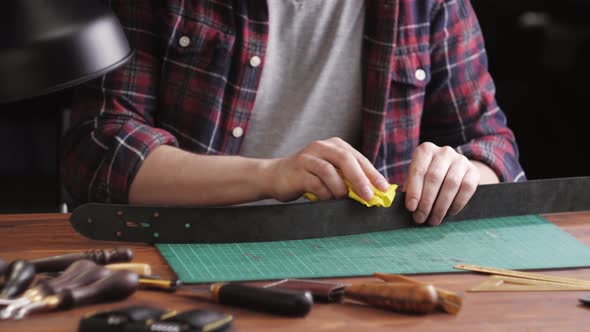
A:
{"points": [[319, 168], [440, 180]]}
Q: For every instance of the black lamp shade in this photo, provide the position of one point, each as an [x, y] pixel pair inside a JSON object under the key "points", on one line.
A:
{"points": [[49, 45]]}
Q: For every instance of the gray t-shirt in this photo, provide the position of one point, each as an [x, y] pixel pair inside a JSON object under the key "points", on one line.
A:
{"points": [[310, 87]]}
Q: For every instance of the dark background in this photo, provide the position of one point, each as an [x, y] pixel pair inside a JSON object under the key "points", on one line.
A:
{"points": [[538, 53]]}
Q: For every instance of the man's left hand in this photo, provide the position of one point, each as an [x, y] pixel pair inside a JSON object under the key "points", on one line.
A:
{"points": [[440, 180]]}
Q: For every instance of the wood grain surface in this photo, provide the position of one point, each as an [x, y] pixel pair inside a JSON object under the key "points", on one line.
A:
{"points": [[33, 236]]}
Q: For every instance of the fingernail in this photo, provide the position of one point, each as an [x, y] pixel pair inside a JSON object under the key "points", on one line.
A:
{"points": [[434, 221], [367, 193], [419, 217], [382, 184], [412, 204]]}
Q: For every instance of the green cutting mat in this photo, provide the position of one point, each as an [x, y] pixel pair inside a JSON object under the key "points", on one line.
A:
{"points": [[524, 242]]}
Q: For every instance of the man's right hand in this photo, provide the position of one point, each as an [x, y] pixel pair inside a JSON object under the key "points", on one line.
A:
{"points": [[319, 168]]}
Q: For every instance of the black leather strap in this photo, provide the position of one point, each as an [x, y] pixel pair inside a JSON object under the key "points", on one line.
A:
{"points": [[310, 220]]}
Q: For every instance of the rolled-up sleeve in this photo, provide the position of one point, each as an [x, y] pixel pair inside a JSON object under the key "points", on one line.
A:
{"points": [[112, 127], [460, 107]]}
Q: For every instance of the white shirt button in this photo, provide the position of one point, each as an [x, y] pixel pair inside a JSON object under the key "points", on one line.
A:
{"points": [[237, 132], [255, 61], [184, 41], [420, 74]]}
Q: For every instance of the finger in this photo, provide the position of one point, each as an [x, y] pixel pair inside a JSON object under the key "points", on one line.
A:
{"points": [[449, 190], [344, 161], [437, 171], [328, 174], [376, 178], [314, 185], [415, 180], [466, 191]]}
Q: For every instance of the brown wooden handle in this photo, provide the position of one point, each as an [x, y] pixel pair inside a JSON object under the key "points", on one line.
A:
{"points": [[117, 285], [448, 301], [403, 297], [99, 256], [90, 275], [72, 272]]}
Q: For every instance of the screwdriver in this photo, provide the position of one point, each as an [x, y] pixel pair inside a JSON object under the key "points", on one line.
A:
{"points": [[19, 274], [286, 302]]}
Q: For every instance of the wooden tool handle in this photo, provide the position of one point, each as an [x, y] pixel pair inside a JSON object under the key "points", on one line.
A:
{"points": [[116, 286], [403, 297], [449, 301], [140, 268], [99, 256], [89, 276], [160, 284], [72, 272]]}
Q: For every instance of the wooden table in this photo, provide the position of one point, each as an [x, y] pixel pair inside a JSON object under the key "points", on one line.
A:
{"points": [[32, 236]]}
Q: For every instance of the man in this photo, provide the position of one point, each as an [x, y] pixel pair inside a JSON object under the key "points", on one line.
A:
{"points": [[232, 101]]}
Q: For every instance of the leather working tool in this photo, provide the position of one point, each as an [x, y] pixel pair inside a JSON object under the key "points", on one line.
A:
{"points": [[192, 321], [447, 301], [403, 294], [121, 319], [78, 274], [402, 297], [503, 280], [147, 319], [112, 286], [99, 256], [310, 220], [321, 290], [286, 302], [19, 274]]}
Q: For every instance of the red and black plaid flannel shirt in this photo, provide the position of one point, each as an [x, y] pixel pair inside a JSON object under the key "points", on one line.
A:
{"points": [[425, 78]]}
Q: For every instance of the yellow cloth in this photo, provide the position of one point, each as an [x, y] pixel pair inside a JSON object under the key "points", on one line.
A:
{"points": [[380, 198]]}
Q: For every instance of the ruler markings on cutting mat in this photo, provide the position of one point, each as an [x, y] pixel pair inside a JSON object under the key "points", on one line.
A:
{"points": [[523, 242]]}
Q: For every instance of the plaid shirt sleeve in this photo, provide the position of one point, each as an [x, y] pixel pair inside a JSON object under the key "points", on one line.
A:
{"points": [[113, 119], [460, 108]]}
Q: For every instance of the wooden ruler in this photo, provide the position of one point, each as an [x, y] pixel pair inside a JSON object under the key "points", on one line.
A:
{"points": [[517, 281], [510, 284]]}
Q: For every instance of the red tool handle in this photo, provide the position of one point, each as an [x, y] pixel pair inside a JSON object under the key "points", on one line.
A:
{"points": [[117, 285]]}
